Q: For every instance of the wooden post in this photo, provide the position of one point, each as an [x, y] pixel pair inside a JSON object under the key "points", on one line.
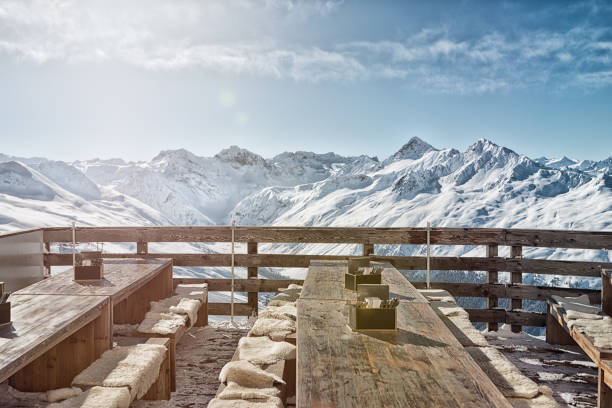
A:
{"points": [[604, 392], [516, 251], [492, 277], [555, 333], [47, 266], [252, 273], [142, 247], [368, 249], [606, 291]]}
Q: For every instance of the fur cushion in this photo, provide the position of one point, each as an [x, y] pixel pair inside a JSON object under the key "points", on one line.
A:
{"points": [[235, 391], [61, 394], [508, 379], [288, 312], [277, 302], [98, 397], [247, 375], [136, 367], [271, 402], [437, 295], [541, 401], [191, 290], [178, 305], [262, 350], [273, 328], [162, 323]]}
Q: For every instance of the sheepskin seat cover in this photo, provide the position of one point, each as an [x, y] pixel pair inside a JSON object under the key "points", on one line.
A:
{"points": [[508, 379], [449, 309], [61, 394], [178, 305], [248, 375], [234, 391], [294, 286], [135, 367], [277, 302], [191, 290], [273, 328], [271, 402], [287, 312], [464, 331], [541, 401], [289, 295], [587, 319], [98, 397], [262, 350], [437, 295], [162, 323]]}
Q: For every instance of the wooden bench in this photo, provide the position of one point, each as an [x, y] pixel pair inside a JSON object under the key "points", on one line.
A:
{"points": [[197, 291], [104, 373], [420, 365], [559, 330]]}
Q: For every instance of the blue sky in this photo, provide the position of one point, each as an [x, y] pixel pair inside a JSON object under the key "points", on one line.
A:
{"points": [[108, 78]]}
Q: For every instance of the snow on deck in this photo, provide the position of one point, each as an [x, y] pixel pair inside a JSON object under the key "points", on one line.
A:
{"points": [[570, 374]]}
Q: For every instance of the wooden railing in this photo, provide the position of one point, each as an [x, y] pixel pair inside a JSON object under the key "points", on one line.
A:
{"points": [[492, 290]]}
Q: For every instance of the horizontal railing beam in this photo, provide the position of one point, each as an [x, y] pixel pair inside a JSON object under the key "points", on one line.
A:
{"points": [[224, 309], [241, 285], [516, 317], [344, 235], [522, 265]]}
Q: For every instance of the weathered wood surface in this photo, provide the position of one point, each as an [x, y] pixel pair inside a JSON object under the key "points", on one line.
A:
{"points": [[492, 277], [42, 322], [325, 280], [224, 309], [514, 265], [243, 285], [420, 365], [415, 235], [606, 291], [501, 290], [252, 273], [121, 278]]}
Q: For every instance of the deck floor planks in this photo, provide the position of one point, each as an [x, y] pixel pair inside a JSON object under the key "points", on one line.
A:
{"points": [[39, 323], [420, 365]]}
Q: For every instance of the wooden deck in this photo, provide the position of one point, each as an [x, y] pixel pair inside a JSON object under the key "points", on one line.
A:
{"points": [[419, 365]]}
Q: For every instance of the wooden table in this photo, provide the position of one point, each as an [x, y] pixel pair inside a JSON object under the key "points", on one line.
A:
{"points": [[52, 338], [130, 283], [606, 291], [420, 365]]}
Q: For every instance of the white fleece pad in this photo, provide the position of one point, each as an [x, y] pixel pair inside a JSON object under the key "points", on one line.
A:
{"points": [[249, 375], [295, 286], [61, 394], [262, 350], [136, 367], [234, 391], [437, 295], [541, 401], [449, 309], [191, 290], [273, 328], [179, 305], [271, 402], [287, 312], [290, 295], [276, 302], [508, 379], [162, 323], [464, 331], [98, 397]]}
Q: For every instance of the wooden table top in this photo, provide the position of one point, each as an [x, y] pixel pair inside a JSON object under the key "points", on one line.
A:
{"points": [[121, 278], [38, 323], [420, 365]]}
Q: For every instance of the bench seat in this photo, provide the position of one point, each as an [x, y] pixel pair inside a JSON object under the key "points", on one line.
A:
{"points": [[197, 291], [98, 397]]}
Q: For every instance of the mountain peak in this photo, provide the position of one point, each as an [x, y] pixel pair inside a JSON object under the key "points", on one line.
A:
{"points": [[414, 149], [241, 156]]}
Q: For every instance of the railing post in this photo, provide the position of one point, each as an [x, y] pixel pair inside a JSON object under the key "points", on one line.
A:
{"points": [[516, 277], [142, 247], [492, 277], [252, 273], [368, 249], [47, 266]]}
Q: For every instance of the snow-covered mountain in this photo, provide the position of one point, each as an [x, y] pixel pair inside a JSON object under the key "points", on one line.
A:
{"points": [[485, 186]]}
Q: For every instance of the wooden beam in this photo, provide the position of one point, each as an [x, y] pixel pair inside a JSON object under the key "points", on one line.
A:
{"points": [[492, 277], [252, 273], [516, 251], [223, 309], [241, 285], [410, 235], [142, 247], [518, 291], [522, 265], [505, 316], [368, 249], [606, 291]]}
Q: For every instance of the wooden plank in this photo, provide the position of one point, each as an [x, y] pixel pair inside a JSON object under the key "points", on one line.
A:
{"points": [[368, 249], [399, 286], [516, 251], [606, 291], [492, 277], [243, 285], [522, 265], [223, 309], [604, 392], [518, 291], [252, 273], [26, 339], [411, 235], [408, 368], [325, 280], [506, 316]]}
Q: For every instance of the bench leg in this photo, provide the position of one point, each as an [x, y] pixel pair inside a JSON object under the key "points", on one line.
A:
{"points": [[202, 315], [604, 393], [555, 333]]}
